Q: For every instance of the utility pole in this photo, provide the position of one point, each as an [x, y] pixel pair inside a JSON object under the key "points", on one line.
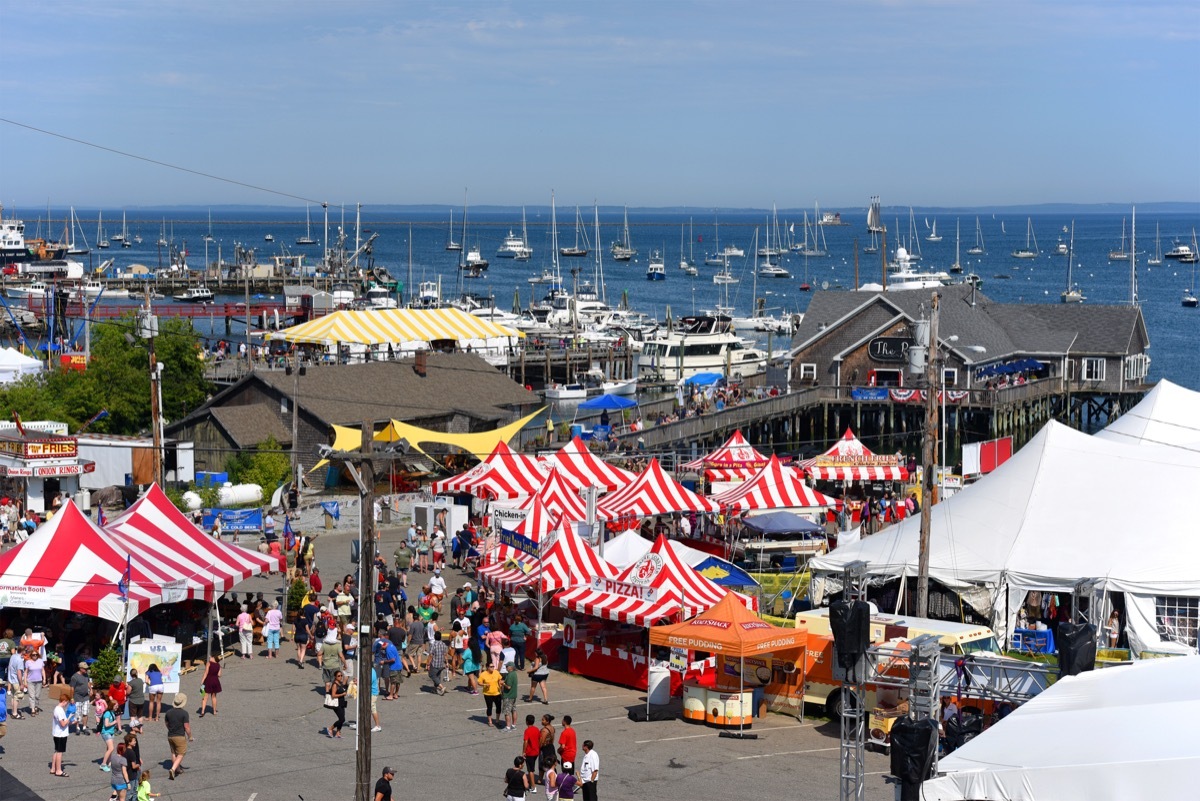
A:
{"points": [[149, 329], [363, 789], [927, 456]]}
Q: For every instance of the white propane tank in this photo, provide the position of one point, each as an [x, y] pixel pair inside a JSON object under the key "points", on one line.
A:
{"points": [[191, 500], [239, 494]]}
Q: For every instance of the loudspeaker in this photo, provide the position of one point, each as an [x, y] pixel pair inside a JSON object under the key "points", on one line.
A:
{"points": [[1076, 648], [914, 743], [851, 625], [638, 715]]}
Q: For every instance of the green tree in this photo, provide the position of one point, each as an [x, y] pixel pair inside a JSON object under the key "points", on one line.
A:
{"points": [[268, 466]]}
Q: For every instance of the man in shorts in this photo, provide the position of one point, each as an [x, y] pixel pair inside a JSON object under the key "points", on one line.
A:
{"points": [[437, 663], [179, 733], [16, 666], [81, 689], [508, 694], [530, 748], [416, 640]]}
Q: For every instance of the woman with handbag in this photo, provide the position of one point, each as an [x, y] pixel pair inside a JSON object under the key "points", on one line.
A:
{"points": [[335, 699], [210, 685], [539, 671]]}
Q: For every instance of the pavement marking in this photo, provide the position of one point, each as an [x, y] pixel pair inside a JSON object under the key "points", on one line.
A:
{"points": [[791, 753], [532, 707], [718, 734], [252, 797]]}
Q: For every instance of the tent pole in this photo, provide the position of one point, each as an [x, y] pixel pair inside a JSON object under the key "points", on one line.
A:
{"points": [[648, 674], [742, 697]]}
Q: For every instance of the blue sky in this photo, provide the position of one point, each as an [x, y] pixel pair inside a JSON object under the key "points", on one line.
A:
{"points": [[705, 104]]}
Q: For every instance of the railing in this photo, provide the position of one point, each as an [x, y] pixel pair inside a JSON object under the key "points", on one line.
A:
{"points": [[734, 416]]}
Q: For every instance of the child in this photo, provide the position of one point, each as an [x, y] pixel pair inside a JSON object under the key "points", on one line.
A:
{"points": [[143, 793], [100, 704]]}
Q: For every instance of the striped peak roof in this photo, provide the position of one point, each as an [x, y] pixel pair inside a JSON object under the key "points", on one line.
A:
{"points": [[581, 468], [382, 326], [502, 475], [652, 493], [775, 486]]}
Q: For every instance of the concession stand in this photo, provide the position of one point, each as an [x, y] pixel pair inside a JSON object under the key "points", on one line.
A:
{"points": [[850, 462], [732, 633], [38, 465], [729, 465]]}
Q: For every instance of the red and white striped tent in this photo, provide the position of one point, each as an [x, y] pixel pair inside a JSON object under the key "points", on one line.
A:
{"points": [[582, 468], [503, 474], [652, 493], [850, 460], [559, 497], [657, 586], [180, 556], [517, 549], [774, 487], [70, 563], [567, 561], [736, 460]]}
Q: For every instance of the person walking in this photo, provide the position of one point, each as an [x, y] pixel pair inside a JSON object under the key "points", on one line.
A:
{"points": [[383, 787], [137, 698], [375, 724], [516, 782], [60, 729], [589, 771], [508, 694], [120, 773], [303, 631], [332, 661], [33, 677], [179, 733], [245, 627], [16, 666], [437, 665], [109, 726], [81, 691], [210, 685], [133, 753], [154, 678], [350, 650], [338, 690], [517, 633], [490, 680], [273, 630], [538, 673]]}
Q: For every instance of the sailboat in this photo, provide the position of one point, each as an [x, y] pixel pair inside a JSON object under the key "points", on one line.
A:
{"points": [[1027, 252], [873, 245], [580, 233], [914, 241], [450, 243], [773, 247], [875, 216], [622, 250], [474, 264], [933, 234], [717, 258], [1071, 294], [525, 251], [162, 234], [124, 236], [1120, 254], [209, 236], [101, 239], [957, 266], [1157, 258], [1189, 295], [73, 247], [685, 263], [817, 245], [120, 236], [307, 239]]}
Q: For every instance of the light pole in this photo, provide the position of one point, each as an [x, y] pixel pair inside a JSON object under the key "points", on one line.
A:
{"points": [[974, 349]]}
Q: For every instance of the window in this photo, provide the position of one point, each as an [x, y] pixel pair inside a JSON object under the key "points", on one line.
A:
{"points": [[1176, 618], [1070, 369], [887, 378], [1136, 367], [950, 377], [1093, 369], [283, 404], [808, 372]]}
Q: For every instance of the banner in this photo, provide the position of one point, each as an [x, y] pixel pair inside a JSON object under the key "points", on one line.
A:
{"points": [[166, 654], [514, 540], [568, 632], [236, 520], [866, 394]]}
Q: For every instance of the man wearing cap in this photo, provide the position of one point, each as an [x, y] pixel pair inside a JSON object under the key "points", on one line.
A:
{"points": [[437, 586], [179, 733], [383, 787], [81, 688]]}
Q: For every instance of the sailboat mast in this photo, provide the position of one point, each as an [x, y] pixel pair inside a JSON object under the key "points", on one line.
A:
{"points": [[599, 254], [1133, 287]]}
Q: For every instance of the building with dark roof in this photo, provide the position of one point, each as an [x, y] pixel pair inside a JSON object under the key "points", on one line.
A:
{"points": [[456, 392]]}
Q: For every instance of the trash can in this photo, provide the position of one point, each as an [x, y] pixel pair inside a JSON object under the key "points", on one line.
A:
{"points": [[387, 513], [659, 686]]}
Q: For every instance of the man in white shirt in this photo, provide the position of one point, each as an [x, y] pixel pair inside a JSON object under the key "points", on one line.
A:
{"points": [[437, 587], [589, 771]]}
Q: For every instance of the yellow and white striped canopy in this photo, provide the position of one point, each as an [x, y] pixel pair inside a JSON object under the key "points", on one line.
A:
{"points": [[382, 326]]}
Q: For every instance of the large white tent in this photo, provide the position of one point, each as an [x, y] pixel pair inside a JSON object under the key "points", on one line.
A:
{"points": [[1067, 506], [1168, 415], [1117, 733], [14, 365]]}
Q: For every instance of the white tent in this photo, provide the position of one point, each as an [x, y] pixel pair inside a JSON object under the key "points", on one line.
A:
{"points": [[14, 365], [1116, 733], [1168, 415], [1067, 506], [629, 546]]}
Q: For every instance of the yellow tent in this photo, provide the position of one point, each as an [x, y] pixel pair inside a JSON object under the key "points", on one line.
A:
{"points": [[383, 326]]}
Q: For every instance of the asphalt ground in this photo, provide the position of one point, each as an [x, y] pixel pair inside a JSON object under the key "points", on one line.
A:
{"points": [[266, 743]]}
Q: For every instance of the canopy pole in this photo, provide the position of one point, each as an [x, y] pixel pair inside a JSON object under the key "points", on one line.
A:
{"points": [[648, 672], [742, 697]]}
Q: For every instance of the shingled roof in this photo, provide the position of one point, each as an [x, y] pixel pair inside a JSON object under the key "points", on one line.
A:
{"points": [[248, 426]]}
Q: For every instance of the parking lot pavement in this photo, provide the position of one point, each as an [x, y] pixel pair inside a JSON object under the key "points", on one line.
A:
{"points": [[266, 745]]}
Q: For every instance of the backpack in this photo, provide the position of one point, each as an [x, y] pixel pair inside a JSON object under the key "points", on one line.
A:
{"points": [[320, 629]]}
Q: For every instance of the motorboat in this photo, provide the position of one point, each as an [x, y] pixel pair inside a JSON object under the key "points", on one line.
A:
{"points": [[626, 388], [699, 344], [379, 297], [548, 276], [725, 277], [1181, 252], [92, 289], [37, 289], [198, 294], [656, 269], [269, 238], [574, 391], [769, 270]]}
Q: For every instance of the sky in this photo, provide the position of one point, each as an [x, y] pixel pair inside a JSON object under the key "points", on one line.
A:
{"points": [[669, 103]]}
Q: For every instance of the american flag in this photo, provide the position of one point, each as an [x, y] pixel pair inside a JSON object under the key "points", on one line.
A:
{"points": [[101, 518], [289, 536], [123, 584]]}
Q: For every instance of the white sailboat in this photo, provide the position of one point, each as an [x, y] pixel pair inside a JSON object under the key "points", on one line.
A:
{"points": [[622, 250], [816, 246], [450, 243], [1120, 254], [933, 234], [526, 251], [1157, 258], [685, 263], [73, 247], [1071, 294], [124, 237], [582, 246], [873, 245], [914, 240], [120, 236], [957, 266], [716, 258], [978, 248], [1189, 295], [209, 236], [307, 239], [101, 239], [1030, 251]]}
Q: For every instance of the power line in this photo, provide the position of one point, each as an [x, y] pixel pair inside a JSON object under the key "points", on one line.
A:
{"points": [[156, 162]]}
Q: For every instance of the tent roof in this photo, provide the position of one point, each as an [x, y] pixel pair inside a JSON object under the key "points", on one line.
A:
{"points": [[735, 460], [703, 379], [567, 561], [581, 468], [1118, 733], [171, 549], [629, 546], [653, 493], [848, 459], [11, 358], [1168, 415], [731, 629], [608, 401], [476, 443], [383, 326], [70, 563], [1045, 518], [503, 474], [669, 586], [559, 498], [773, 487], [781, 523]]}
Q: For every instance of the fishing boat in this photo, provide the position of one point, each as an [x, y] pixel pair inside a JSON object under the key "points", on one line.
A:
{"points": [[656, 269], [933, 234], [1071, 294], [1157, 258], [307, 239], [269, 238], [582, 246], [622, 250], [101, 239], [1189, 295], [37, 289], [875, 216], [195, 294], [1120, 254], [1030, 251], [978, 248], [92, 289]]}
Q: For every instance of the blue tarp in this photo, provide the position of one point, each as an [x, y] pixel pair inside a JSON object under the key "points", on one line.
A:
{"points": [[612, 402], [332, 509], [724, 573], [704, 379], [782, 523]]}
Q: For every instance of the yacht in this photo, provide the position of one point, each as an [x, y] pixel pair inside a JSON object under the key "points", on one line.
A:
{"points": [[697, 345], [769, 270], [656, 270], [269, 238], [196, 294], [378, 297], [513, 245], [1181, 252], [343, 295], [548, 276]]}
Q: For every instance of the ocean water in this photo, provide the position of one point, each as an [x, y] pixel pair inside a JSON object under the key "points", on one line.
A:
{"points": [[1173, 329]]}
